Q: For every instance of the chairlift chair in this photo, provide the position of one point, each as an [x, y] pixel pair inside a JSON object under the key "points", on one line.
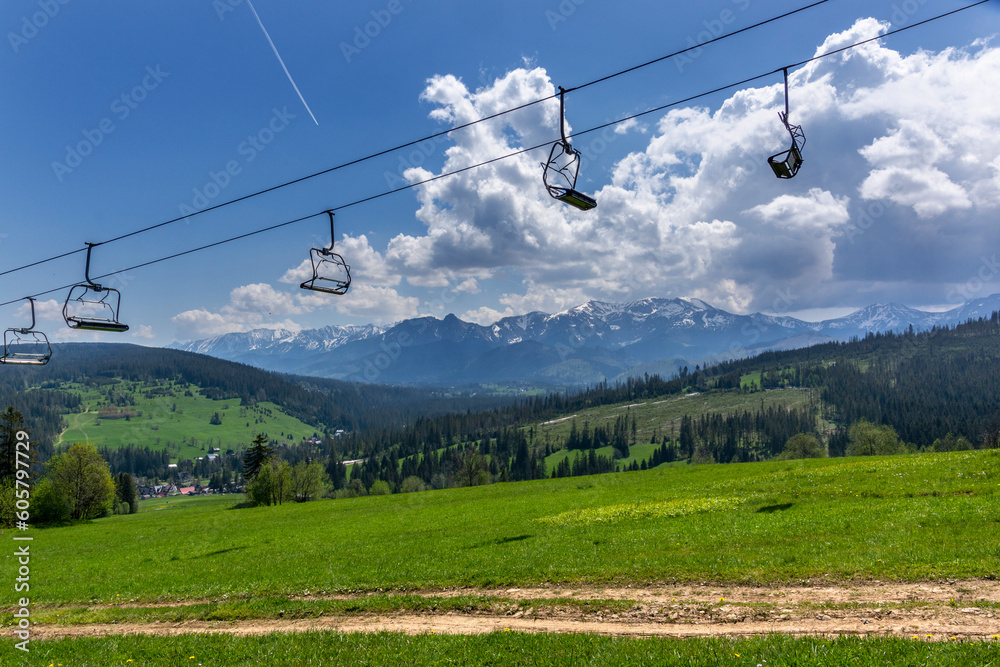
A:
{"points": [[786, 163], [563, 167], [331, 274], [26, 347], [93, 307]]}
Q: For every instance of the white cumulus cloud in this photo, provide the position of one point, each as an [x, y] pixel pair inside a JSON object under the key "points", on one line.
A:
{"points": [[698, 211]]}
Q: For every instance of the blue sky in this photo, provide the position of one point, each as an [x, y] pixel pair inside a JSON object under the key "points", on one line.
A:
{"points": [[897, 199]]}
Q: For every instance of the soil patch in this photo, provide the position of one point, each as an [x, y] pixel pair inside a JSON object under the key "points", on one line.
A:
{"points": [[929, 611]]}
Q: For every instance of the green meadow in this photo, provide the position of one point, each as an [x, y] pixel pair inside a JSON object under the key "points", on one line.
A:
{"points": [[178, 414], [658, 415], [904, 518], [500, 648]]}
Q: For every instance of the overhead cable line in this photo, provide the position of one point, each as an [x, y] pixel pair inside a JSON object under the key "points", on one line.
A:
{"points": [[512, 154], [408, 144]]}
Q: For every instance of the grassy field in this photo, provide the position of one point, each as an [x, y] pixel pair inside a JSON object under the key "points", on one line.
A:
{"points": [[640, 452], [500, 648], [905, 518], [901, 518], [181, 417], [661, 414]]}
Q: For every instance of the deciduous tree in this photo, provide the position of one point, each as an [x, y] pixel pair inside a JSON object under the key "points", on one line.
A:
{"points": [[309, 481], [802, 446], [867, 439], [272, 484], [83, 476]]}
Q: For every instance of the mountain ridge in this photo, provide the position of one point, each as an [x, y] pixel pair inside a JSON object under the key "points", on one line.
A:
{"points": [[590, 342]]}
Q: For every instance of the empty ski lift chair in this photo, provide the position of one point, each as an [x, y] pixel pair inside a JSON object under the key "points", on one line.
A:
{"points": [[331, 274], [786, 164], [93, 307], [26, 347], [563, 167]]}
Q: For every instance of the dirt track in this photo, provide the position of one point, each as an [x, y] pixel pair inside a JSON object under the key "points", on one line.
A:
{"points": [[928, 611]]}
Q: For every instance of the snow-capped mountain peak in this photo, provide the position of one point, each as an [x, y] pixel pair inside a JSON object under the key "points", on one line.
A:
{"points": [[586, 343]]}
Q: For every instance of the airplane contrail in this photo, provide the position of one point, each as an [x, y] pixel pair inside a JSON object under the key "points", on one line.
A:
{"points": [[287, 73]]}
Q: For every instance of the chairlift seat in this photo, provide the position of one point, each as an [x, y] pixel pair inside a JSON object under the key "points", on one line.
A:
{"points": [[89, 324], [560, 175], [578, 199], [331, 274], [25, 347], [786, 164], [560, 172], [89, 313], [86, 308]]}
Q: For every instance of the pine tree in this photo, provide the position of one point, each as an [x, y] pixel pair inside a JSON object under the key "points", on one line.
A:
{"points": [[11, 422], [256, 455], [126, 493]]}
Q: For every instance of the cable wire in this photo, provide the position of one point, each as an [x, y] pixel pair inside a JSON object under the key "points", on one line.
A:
{"points": [[415, 141], [508, 155]]}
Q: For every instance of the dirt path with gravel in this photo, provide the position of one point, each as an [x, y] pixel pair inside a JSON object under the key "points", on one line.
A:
{"points": [[930, 611]]}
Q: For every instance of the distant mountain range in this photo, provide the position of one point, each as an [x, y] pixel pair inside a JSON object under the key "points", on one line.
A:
{"points": [[582, 345]]}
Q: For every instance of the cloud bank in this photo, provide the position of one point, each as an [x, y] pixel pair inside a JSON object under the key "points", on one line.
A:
{"points": [[897, 200]]}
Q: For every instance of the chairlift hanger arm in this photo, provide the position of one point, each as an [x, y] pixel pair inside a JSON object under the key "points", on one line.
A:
{"points": [[333, 236], [31, 301], [86, 271], [784, 118], [562, 120]]}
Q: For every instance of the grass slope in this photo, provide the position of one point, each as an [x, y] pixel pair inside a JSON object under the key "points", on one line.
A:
{"points": [[662, 413], [905, 518], [179, 415]]}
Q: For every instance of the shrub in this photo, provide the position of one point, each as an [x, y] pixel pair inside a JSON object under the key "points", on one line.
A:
{"points": [[867, 439], [950, 443], [380, 488], [802, 446], [412, 484], [49, 503]]}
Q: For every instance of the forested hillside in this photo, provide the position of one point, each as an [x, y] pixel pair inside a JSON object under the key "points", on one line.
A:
{"points": [[325, 404], [935, 389]]}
